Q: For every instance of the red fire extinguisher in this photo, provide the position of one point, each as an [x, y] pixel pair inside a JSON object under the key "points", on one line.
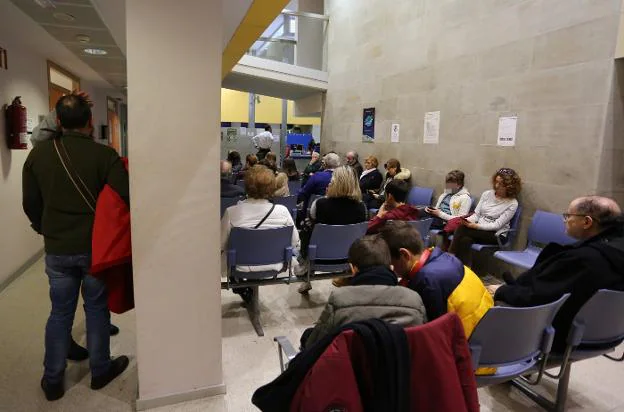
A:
{"points": [[16, 121]]}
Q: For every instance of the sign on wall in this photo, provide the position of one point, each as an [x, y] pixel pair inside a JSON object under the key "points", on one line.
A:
{"points": [[507, 131], [394, 133], [4, 61], [431, 133], [368, 125], [232, 134]]}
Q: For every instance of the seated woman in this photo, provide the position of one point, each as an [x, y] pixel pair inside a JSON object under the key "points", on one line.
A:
{"points": [[312, 167], [256, 212], [371, 178], [374, 293], [290, 168], [250, 161], [492, 216], [281, 180], [341, 206], [235, 158], [393, 171], [454, 202]]}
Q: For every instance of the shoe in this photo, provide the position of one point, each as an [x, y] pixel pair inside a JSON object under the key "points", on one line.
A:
{"points": [[340, 282], [117, 367], [246, 294], [301, 270], [305, 288], [76, 352], [53, 391], [114, 330]]}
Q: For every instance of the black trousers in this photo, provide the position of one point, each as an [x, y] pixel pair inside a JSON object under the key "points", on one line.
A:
{"points": [[262, 153], [464, 238]]}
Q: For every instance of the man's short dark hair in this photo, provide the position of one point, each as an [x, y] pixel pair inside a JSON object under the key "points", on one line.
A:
{"points": [[400, 234], [369, 251], [399, 189], [268, 128], [73, 112]]}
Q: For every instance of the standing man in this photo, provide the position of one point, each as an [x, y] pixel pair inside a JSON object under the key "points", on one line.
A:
{"points": [[263, 142], [62, 179], [353, 160]]}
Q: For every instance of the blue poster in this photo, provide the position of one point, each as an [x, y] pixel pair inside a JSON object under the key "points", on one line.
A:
{"points": [[368, 125]]}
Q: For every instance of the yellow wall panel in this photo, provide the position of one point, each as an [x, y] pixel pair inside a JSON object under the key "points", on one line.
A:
{"points": [[234, 106]]}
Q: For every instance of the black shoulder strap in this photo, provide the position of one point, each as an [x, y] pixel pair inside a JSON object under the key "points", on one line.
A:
{"points": [[85, 193], [265, 217]]}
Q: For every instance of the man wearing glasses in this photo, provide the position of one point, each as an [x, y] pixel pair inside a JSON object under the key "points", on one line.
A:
{"points": [[595, 262]]}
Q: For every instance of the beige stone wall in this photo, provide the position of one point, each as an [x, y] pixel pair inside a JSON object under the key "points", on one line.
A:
{"points": [[548, 61]]}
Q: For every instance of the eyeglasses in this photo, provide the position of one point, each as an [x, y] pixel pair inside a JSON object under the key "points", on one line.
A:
{"points": [[566, 216]]}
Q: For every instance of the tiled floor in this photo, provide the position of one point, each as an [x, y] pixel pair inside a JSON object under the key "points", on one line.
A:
{"points": [[249, 361]]}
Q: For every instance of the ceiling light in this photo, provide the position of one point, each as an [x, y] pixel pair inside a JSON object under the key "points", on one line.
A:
{"points": [[83, 38], [46, 4], [96, 52], [64, 17]]}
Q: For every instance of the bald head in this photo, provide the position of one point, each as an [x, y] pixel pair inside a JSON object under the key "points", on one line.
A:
{"points": [[590, 215], [226, 168]]}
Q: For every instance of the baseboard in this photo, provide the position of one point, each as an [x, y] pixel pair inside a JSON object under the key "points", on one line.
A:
{"points": [[21, 270], [143, 404]]}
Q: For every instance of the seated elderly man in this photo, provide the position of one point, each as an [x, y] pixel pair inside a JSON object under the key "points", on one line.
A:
{"points": [[318, 182], [228, 189], [595, 262], [353, 160]]}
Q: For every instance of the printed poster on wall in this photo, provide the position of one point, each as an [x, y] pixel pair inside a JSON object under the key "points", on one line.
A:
{"points": [[507, 131], [232, 134], [394, 133], [368, 125], [431, 133]]}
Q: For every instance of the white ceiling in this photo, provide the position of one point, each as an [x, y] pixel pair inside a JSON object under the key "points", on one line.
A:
{"points": [[14, 23]]}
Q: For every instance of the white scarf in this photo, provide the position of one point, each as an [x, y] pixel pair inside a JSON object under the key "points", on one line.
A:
{"points": [[367, 171]]}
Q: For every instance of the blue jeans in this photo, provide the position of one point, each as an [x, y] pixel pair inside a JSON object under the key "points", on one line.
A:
{"points": [[66, 274]]}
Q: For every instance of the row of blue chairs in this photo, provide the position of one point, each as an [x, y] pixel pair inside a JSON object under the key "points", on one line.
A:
{"points": [[524, 348]]}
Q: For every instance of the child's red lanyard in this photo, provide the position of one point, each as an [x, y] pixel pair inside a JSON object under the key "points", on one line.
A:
{"points": [[421, 262]]}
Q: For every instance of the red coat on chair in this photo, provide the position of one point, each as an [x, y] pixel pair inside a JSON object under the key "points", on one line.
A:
{"points": [[112, 249]]}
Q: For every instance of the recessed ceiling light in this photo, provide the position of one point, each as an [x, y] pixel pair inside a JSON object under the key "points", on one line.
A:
{"points": [[96, 52], [83, 38], [46, 4], [64, 17]]}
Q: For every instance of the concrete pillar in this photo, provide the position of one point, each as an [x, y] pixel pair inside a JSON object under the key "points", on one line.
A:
{"points": [[174, 79], [310, 35]]}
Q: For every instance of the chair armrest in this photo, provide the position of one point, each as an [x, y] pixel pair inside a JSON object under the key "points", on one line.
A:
{"points": [[284, 347], [510, 235], [312, 253]]}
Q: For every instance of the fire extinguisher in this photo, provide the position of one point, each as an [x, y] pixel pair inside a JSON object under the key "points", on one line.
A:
{"points": [[16, 121]]}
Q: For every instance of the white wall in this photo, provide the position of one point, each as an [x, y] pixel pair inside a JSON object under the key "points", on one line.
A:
{"points": [[26, 77]]}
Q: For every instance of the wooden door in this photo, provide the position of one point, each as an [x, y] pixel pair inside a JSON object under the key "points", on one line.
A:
{"points": [[114, 131], [56, 92]]}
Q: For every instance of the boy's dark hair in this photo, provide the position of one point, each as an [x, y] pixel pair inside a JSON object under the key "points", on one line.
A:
{"points": [[369, 251], [73, 112], [456, 176], [399, 190], [400, 234]]}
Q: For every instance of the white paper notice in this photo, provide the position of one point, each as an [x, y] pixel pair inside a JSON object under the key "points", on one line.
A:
{"points": [[507, 131], [432, 128], [394, 134]]}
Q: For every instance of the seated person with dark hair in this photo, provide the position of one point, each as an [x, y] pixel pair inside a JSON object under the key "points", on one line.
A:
{"points": [[394, 207], [595, 262], [373, 294], [441, 280], [228, 189]]}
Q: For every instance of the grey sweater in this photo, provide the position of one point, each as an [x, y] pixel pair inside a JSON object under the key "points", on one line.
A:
{"points": [[393, 304]]}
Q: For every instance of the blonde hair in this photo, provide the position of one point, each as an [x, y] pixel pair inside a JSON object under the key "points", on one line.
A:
{"points": [[344, 183]]}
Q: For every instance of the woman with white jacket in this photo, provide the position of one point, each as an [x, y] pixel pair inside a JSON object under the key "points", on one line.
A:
{"points": [[454, 202], [492, 217]]}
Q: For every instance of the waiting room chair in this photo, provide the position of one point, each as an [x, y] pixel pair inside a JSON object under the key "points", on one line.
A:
{"points": [[545, 228], [423, 227], [329, 247], [229, 201], [290, 202], [515, 221], [420, 196], [597, 329], [514, 341], [313, 199], [255, 247], [294, 186]]}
